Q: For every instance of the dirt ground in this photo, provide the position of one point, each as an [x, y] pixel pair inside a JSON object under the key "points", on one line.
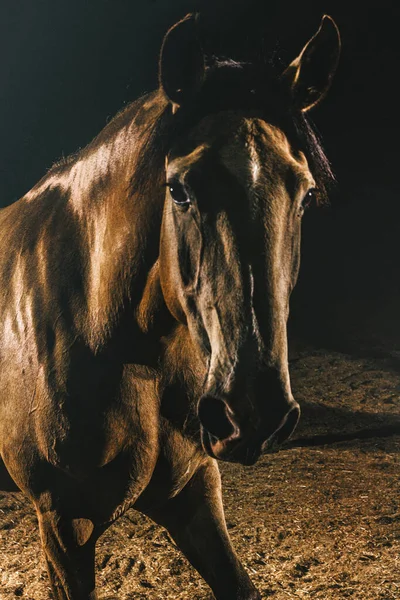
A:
{"points": [[319, 519]]}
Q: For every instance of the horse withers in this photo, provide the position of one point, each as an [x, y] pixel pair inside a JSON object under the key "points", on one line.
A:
{"points": [[144, 301]]}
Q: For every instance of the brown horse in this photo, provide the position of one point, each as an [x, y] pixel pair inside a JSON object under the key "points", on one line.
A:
{"points": [[144, 297]]}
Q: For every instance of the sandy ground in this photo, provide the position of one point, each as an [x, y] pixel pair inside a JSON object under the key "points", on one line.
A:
{"points": [[320, 519]]}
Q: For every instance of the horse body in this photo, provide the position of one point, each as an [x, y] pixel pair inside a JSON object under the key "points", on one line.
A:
{"points": [[141, 330], [79, 390]]}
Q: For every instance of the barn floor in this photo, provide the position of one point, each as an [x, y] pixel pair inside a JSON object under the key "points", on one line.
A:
{"points": [[320, 519]]}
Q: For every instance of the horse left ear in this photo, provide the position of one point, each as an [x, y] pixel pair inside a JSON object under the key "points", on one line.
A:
{"points": [[182, 65], [310, 74]]}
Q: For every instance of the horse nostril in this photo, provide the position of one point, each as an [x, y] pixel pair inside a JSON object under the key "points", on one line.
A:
{"points": [[289, 424], [213, 415]]}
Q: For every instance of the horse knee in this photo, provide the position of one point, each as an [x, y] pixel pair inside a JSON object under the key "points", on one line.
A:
{"points": [[81, 530], [69, 547]]}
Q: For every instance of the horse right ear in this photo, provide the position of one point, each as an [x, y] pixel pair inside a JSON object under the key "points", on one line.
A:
{"points": [[182, 65]]}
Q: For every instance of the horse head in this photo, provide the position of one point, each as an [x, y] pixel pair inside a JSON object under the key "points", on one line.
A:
{"points": [[242, 168]]}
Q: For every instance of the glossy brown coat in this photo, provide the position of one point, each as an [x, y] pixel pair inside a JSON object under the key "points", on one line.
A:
{"points": [[143, 307]]}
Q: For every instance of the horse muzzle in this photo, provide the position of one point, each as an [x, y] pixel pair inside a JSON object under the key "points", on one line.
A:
{"points": [[225, 439]]}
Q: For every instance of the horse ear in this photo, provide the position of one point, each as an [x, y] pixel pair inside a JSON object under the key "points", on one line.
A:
{"points": [[182, 66], [310, 74]]}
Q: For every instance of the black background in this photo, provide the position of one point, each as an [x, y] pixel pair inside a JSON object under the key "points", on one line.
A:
{"points": [[66, 67]]}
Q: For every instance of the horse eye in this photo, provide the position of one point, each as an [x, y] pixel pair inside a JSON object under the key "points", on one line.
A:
{"points": [[178, 194], [309, 199]]}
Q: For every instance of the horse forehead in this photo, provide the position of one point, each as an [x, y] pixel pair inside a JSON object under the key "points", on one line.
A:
{"points": [[248, 147], [258, 149]]}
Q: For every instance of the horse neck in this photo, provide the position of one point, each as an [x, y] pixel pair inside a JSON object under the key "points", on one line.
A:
{"points": [[183, 375], [120, 227], [180, 362]]}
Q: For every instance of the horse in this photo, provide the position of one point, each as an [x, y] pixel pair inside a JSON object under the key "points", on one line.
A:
{"points": [[145, 286]]}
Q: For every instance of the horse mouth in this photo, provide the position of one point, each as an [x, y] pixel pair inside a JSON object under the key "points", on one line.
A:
{"points": [[247, 449], [233, 449]]}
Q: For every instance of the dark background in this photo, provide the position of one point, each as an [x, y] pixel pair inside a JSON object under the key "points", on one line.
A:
{"points": [[67, 67]]}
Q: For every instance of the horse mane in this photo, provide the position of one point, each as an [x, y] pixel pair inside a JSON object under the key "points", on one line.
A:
{"points": [[232, 85], [318, 162]]}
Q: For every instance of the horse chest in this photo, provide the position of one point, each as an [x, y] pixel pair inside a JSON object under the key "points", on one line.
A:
{"points": [[123, 418], [178, 459]]}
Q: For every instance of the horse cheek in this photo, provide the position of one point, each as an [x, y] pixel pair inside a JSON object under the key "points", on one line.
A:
{"points": [[189, 259]]}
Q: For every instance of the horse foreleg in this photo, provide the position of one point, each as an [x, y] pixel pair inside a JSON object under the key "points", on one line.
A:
{"points": [[69, 548], [195, 519]]}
